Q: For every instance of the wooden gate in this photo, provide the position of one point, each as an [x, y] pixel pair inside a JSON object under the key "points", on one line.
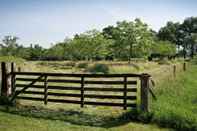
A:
{"points": [[123, 90]]}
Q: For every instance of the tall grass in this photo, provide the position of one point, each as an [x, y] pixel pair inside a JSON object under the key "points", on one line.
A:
{"points": [[11, 59], [176, 106]]}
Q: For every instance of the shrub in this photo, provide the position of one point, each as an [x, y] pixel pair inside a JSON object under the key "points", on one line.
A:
{"points": [[82, 65], [164, 62], [4, 101], [98, 68]]}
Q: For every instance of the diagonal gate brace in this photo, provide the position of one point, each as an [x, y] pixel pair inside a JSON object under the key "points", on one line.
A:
{"points": [[26, 87]]}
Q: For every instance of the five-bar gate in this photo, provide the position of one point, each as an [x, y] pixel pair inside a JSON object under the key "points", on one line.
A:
{"points": [[123, 90]]}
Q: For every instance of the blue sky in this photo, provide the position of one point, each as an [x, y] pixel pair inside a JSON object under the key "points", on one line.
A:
{"points": [[50, 21]]}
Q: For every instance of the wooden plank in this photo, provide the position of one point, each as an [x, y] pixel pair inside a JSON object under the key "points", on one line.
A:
{"points": [[52, 93], [108, 104], [109, 96], [29, 98], [111, 82], [79, 81], [51, 87], [33, 92], [77, 102], [32, 86], [63, 88], [64, 101], [79, 95], [64, 94], [79, 88], [76, 75], [125, 93], [50, 80], [110, 89]]}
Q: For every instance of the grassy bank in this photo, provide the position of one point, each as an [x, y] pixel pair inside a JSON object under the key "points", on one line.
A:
{"points": [[176, 106], [12, 122]]}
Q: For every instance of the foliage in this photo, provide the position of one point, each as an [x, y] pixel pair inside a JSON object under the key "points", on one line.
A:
{"points": [[123, 41], [5, 101], [11, 59], [169, 32], [163, 62], [82, 65], [131, 39], [98, 68], [183, 35], [164, 48]]}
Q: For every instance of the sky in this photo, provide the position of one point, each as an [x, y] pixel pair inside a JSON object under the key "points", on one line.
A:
{"points": [[45, 22]]}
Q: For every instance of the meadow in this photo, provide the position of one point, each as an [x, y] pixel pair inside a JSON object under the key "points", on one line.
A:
{"points": [[174, 109]]}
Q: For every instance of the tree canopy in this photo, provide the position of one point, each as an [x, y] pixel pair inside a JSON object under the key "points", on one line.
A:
{"points": [[123, 41]]}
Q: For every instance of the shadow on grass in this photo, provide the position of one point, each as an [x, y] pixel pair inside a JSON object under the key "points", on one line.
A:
{"points": [[79, 117]]}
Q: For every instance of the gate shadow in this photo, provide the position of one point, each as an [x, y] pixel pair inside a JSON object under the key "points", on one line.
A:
{"points": [[78, 117]]}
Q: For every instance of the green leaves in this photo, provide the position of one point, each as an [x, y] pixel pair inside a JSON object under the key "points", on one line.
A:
{"points": [[164, 48], [123, 41]]}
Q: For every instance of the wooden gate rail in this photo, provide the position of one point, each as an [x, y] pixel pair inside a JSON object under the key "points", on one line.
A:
{"points": [[77, 75]]}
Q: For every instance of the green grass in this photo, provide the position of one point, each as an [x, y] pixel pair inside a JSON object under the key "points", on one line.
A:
{"points": [[29, 122], [176, 106]]}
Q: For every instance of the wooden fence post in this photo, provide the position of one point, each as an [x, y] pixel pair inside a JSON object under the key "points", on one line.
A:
{"points": [[19, 69], [3, 79], [13, 80], [144, 92], [125, 93], [184, 66], [6, 80], [82, 91], [45, 90], [174, 70]]}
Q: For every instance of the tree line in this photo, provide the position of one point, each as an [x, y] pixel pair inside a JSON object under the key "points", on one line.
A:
{"points": [[123, 41]]}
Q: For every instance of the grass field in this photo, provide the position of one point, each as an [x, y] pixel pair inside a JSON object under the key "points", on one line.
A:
{"points": [[10, 122], [175, 107], [177, 101]]}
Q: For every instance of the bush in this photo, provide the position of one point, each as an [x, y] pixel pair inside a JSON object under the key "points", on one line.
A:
{"points": [[164, 62], [82, 65], [98, 68], [4, 101]]}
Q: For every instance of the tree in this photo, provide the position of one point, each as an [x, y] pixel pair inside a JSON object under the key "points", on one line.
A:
{"points": [[9, 46], [189, 28], [164, 48], [36, 52], [169, 32], [131, 39]]}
